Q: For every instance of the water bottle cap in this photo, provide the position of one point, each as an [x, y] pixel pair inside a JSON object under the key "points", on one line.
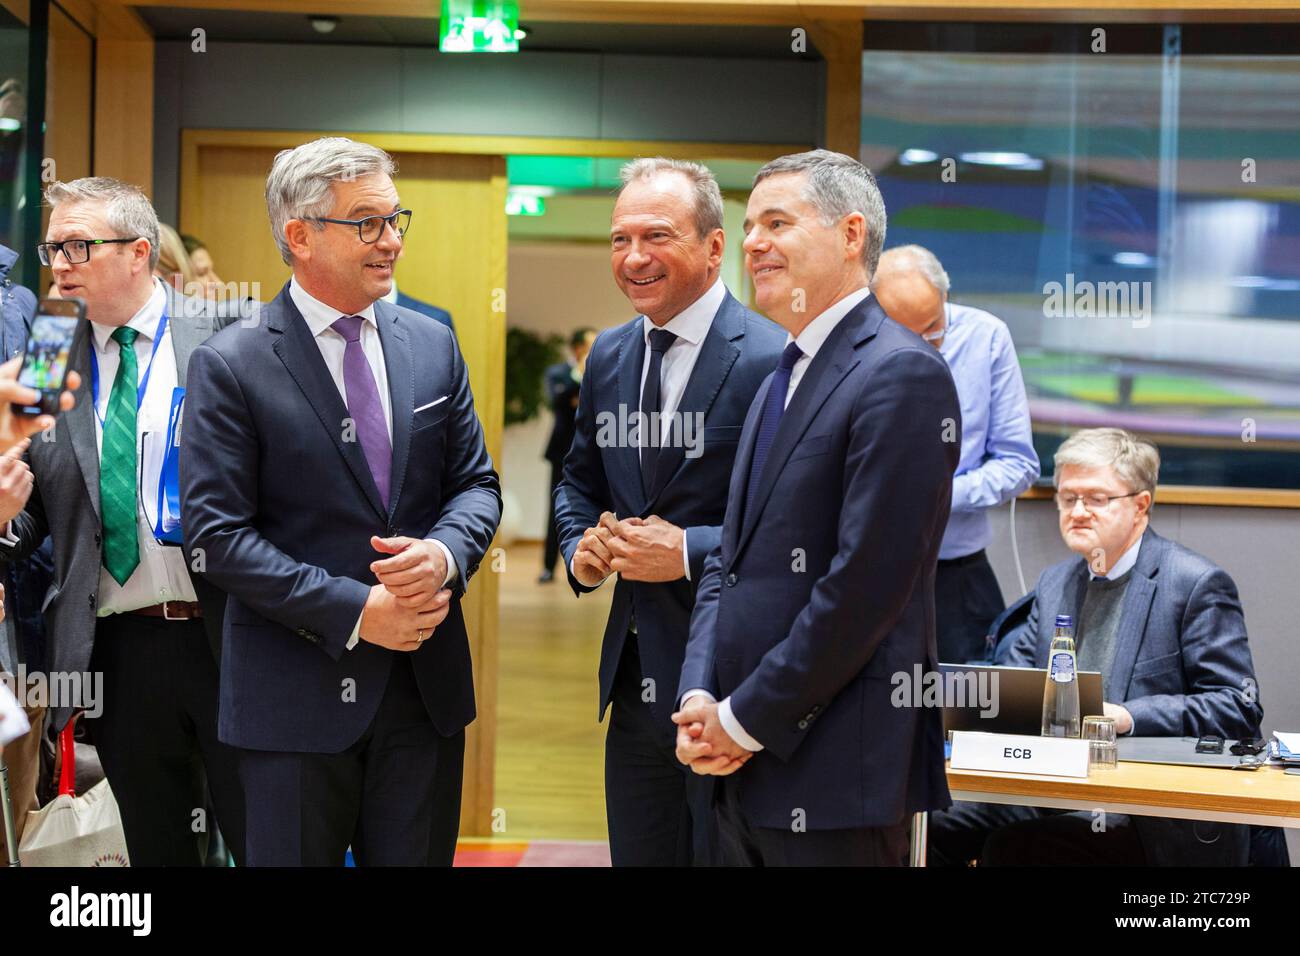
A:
{"points": [[1064, 620]]}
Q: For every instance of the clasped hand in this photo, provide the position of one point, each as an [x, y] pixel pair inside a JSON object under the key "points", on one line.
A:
{"points": [[702, 742], [409, 601], [640, 549]]}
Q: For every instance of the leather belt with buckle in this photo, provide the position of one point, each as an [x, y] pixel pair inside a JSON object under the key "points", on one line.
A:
{"points": [[172, 610]]}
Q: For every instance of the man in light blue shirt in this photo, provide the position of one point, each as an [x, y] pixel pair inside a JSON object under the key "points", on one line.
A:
{"points": [[998, 460]]}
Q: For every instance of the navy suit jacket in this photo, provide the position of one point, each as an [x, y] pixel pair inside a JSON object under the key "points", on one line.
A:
{"points": [[826, 589], [280, 509], [1182, 667], [1182, 663], [740, 349]]}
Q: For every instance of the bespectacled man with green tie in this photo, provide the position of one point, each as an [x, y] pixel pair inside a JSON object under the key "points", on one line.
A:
{"points": [[127, 613]]}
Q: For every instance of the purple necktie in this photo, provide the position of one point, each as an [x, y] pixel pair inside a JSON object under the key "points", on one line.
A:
{"points": [[364, 405]]}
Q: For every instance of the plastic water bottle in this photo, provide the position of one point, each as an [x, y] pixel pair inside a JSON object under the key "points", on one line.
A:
{"points": [[1061, 691]]}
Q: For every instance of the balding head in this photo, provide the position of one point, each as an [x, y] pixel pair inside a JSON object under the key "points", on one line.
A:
{"points": [[912, 288]]}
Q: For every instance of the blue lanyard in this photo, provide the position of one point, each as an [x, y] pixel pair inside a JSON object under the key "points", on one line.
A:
{"points": [[144, 381]]}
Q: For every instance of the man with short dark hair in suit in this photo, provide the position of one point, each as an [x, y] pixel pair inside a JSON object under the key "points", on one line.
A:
{"points": [[563, 381], [660, 409], [123, 605], [823, 585], [336, 481], [1164, 627]]}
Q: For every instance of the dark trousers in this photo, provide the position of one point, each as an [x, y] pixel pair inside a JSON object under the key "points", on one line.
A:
{"points": [[966, 601], [157, 739], [393, 796], [659, 811], [998, 835], [743, 844], [551, 550]]}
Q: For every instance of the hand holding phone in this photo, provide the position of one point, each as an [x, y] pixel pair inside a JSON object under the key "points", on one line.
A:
{"points": [[14, 428], [57, 330]]}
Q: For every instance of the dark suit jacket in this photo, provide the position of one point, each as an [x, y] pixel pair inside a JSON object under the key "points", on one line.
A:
{"points": [[1182, 667], [65, 504], [826, 588], [562, 390], [740, 348], [405, 301], [282, 508]]}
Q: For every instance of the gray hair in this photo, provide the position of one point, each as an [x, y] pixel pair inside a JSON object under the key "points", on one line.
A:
{"points": [[301, 182], [128, 210], [838, 186], [907, 259], [704, 187], [1135, 460]]}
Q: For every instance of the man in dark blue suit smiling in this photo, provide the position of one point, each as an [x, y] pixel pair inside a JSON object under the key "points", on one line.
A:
{"points": [[646, 502], [823, 585], [337, 487]]}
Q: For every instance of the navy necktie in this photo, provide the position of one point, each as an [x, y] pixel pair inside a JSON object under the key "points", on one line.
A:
{"points": [[660, 341], [773, 409]]}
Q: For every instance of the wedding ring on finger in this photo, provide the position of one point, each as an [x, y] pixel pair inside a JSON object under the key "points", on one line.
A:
{"points": [[419, 635]]}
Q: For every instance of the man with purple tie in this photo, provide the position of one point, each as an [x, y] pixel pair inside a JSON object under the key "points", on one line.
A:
{"points": [[336, 485]]}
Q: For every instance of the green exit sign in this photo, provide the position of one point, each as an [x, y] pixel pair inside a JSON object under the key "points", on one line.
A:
{"points": [[479, 26], [525, 204]]}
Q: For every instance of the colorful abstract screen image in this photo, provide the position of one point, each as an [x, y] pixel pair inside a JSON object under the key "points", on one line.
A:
{"points": [[48, 352], [1134, 219]]}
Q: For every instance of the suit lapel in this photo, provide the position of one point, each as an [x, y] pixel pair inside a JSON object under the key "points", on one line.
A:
{"points": [[1072, 599], [1139, 594], [297, 349], [834, 360], [631, 356], [187, 331], [80, 420], [740, 472], [401, 393], [717, 355]]}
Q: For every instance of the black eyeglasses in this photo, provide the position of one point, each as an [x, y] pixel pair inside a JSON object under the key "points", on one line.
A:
{"points": [[74, 250], [372, 227]]}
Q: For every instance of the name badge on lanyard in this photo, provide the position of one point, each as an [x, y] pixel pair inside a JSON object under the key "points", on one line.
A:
{"points": [[144, 380]]}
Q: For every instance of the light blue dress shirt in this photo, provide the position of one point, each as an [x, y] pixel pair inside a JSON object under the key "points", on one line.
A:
{"points": [[998, 460]]}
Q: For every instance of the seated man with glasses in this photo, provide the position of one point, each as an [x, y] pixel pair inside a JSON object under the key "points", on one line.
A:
{"points": [[1163, 625]]}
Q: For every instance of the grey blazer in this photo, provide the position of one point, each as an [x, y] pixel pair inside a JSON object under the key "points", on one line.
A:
{"points": [[1182, 668], [65, 505]]}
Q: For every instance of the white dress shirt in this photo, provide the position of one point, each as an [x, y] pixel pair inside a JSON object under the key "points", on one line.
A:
{"points": [[162, 574], [690, 325], [810, 341], [1123, 566], [319, 318]]}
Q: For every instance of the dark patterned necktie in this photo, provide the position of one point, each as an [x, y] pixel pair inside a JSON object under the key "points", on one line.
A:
{"points": [[773, 409], [651, 402]]}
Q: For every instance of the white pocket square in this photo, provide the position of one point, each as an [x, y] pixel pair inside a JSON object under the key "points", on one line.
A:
{"points": [[431, 404]]}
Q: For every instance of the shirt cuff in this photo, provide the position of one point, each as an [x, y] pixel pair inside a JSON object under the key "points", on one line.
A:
{"points": [[698, 692], [575, 576], [686, 556], [732, 726], [356, 633], [452, 570]]}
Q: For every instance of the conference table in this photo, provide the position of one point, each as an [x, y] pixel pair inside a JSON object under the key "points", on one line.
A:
{"points": [[1268, 796]]}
